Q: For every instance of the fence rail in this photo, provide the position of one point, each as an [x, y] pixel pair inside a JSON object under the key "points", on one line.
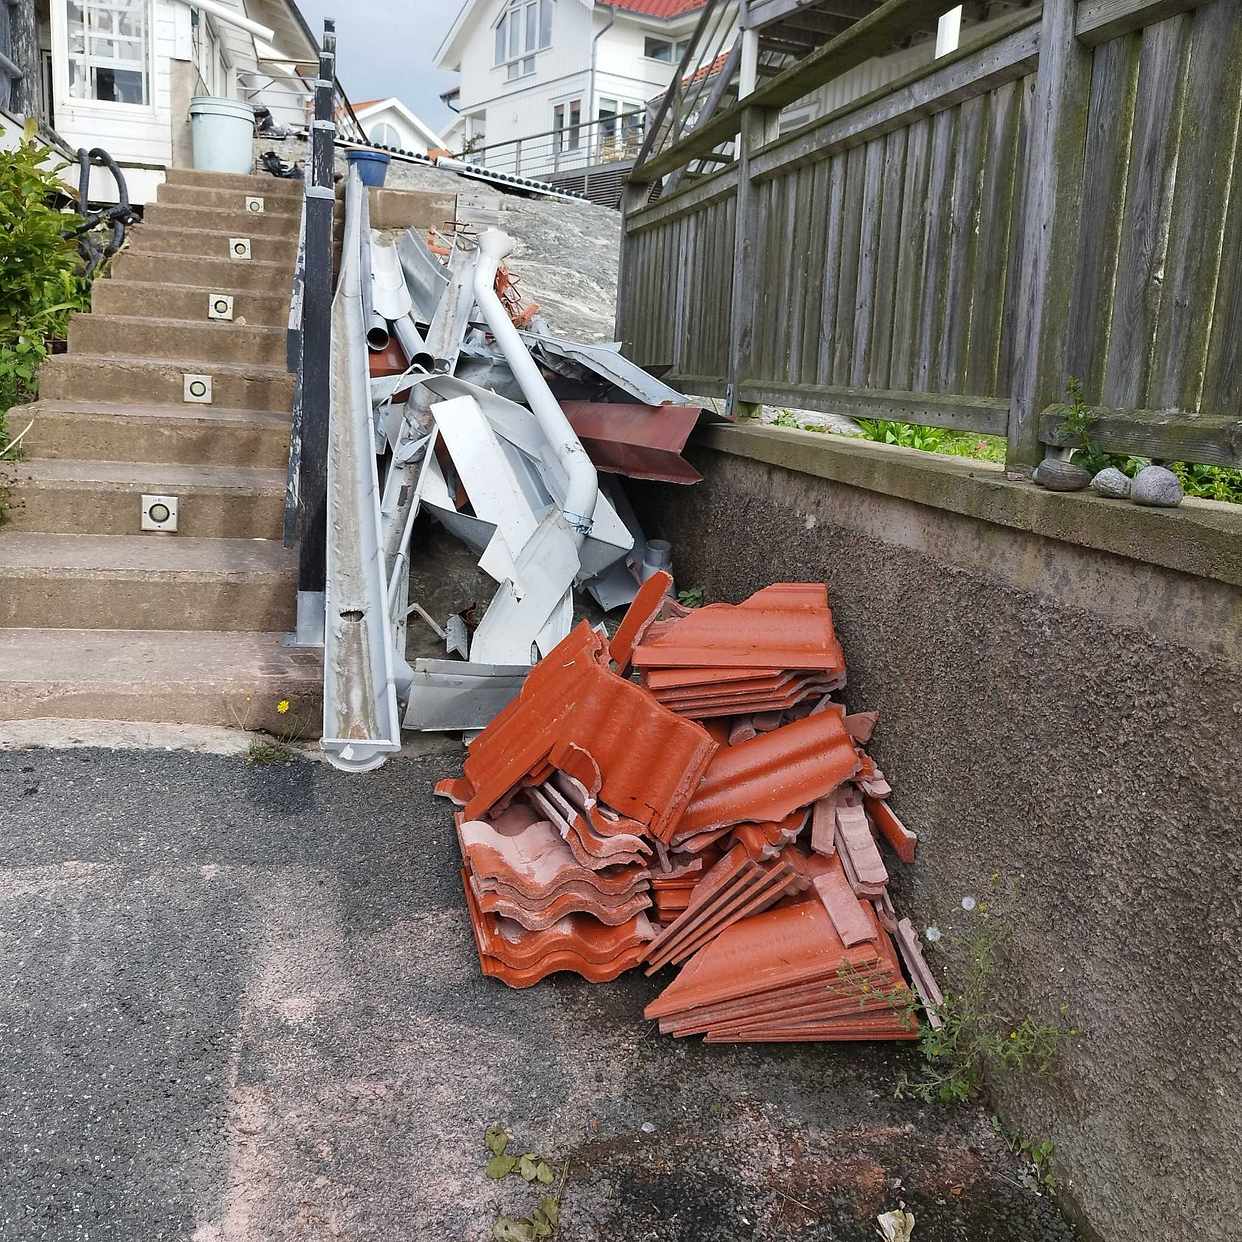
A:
{"points": [[1059, 199]]}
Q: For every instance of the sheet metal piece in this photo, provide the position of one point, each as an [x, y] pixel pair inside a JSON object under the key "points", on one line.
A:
{"points": [[605, 361], [361, 727], [426, 278], [390, 298], [449, 696], [638, 441]]}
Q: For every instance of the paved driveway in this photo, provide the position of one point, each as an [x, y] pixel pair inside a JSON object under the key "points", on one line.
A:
{"points": [[242, 1005]]}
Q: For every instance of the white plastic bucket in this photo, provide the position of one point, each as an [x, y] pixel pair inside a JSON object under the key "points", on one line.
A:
{"points": [[222, 131]]}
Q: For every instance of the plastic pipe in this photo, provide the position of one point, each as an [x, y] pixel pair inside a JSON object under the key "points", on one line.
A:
{"points": [[583, 483]]}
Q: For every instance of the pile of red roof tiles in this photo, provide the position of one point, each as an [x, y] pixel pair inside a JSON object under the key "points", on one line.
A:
{"points": [[689, 794]]}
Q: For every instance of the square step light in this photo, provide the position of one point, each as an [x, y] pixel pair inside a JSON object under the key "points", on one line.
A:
{"points": [[239, 247], [220, 306], [196, 389], [159, 513], [254, 204]]}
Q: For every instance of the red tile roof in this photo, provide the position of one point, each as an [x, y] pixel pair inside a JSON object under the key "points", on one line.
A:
{"points": [[658, 8]]}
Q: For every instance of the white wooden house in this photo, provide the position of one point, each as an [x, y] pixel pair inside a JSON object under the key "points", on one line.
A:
{"points": [[120, 74], [558, 74], [389, 123]]}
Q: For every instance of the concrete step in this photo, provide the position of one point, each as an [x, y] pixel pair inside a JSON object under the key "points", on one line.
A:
{"points": [[203, 343], [145, 582], [248, 183], [231, 220], [169, 434], [154, 239], [223, 275], [139, 381], [66, 496], [159, 301], [278, 203], [233, 679]]}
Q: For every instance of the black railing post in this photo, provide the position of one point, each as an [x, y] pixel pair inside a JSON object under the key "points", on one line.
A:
{"points": [[317, 332]]}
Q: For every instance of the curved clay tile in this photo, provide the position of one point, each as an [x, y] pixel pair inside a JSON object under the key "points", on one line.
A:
{"points": [[528, 977], [575, 901], [772, 775]]}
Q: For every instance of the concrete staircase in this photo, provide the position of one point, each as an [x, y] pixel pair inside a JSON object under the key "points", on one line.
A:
{"points": [[99, 619]]}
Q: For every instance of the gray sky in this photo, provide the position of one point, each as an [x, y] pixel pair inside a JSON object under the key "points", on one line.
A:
{"points": [[384, 47]]}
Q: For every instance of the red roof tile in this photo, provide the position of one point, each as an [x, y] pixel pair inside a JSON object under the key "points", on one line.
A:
{"points": [[658, 8]]}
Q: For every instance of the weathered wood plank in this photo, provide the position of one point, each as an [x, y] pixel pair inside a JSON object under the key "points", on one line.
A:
{"points": [[847, 274], [1222, 381], [1145, 225], [1204, 165], [1050, 228], [887, 253], [871, 36], [954, 345], [770, 196], [935, 248], [1168, 435], [1017, 241], [691, 198], [1100, 21], [910, 257], [946, 82], [759, 125], [987, 293], [1109, 127], [800, 233], [986, 415], [814, 293], [832, 264], [868, 247]]}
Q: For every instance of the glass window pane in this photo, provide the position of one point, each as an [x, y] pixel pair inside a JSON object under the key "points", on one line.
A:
{"points": [[501, 29], [515, 36], [532, 27], [545, 23], [658, 49]]}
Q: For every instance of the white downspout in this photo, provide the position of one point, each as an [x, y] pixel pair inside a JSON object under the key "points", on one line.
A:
{"points": [[583, 484], [590, 116]]}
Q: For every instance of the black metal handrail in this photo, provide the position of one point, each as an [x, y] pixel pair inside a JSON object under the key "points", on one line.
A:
{"points": [[116, 217], [310, 337]]}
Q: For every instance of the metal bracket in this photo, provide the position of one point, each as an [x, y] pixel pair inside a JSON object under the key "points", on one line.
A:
{"points": [[220, 306], [239, 248], [323, 125], [320, 191]]}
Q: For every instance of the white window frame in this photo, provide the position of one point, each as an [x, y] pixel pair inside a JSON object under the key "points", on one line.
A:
{"points": [[512, 27], [59, 13], [392, 129]]}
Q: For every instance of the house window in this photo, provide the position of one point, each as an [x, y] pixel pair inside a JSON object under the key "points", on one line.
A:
{"points": [[620, 128], [385, 135], [523, 28], [109, 43], [566, 126], [667, 51]]}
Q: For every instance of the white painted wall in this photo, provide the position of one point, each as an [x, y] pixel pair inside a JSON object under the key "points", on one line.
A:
{"points": [[408, 137]]}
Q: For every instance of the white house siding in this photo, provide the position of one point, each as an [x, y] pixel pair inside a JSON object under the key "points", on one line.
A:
{"points": [[130, 133]]}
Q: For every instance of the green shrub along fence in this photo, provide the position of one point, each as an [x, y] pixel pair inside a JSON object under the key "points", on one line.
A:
{"points": [[1059, 199]]}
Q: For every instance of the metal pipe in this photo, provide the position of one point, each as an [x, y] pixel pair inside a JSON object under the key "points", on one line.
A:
{"points": [[232, 17], [612, 21], [580, 496]]}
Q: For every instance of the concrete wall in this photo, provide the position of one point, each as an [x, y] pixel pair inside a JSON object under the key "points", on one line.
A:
{"points": [[1059, 681]]}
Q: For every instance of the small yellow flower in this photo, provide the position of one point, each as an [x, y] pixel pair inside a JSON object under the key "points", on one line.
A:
{"points": [[283, 706]]}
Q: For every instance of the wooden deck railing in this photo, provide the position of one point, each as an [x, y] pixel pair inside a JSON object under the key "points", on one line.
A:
{"points": [[1061, 198]]}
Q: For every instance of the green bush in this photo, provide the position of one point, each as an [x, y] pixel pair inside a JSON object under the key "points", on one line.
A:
{"points": [[41, 280]]}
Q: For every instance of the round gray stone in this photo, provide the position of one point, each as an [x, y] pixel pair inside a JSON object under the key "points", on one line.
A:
{"points": [[1111, 483], [1058, 475], [1157, 487]]}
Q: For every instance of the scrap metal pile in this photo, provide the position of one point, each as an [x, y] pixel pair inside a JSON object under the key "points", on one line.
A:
{"points": [[478, 429], [688, 793]]}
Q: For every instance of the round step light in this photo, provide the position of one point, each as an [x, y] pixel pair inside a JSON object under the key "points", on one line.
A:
{"points": [[159, 513]]}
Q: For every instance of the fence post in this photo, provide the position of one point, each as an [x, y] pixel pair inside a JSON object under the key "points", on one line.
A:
{"points": [[759, 126], [317, 332], [24, 52], [1054, 181]]}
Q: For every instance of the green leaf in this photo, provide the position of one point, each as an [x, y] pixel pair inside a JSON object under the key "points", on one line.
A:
{"points": [[500, 1166], [542, 1226], [528, 1166], [506, 1229], [551, 1208], [497, 1139], [544, 1173]]}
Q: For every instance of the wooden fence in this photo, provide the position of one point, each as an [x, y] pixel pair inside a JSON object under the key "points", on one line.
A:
{"points": [[1062, 198]]}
